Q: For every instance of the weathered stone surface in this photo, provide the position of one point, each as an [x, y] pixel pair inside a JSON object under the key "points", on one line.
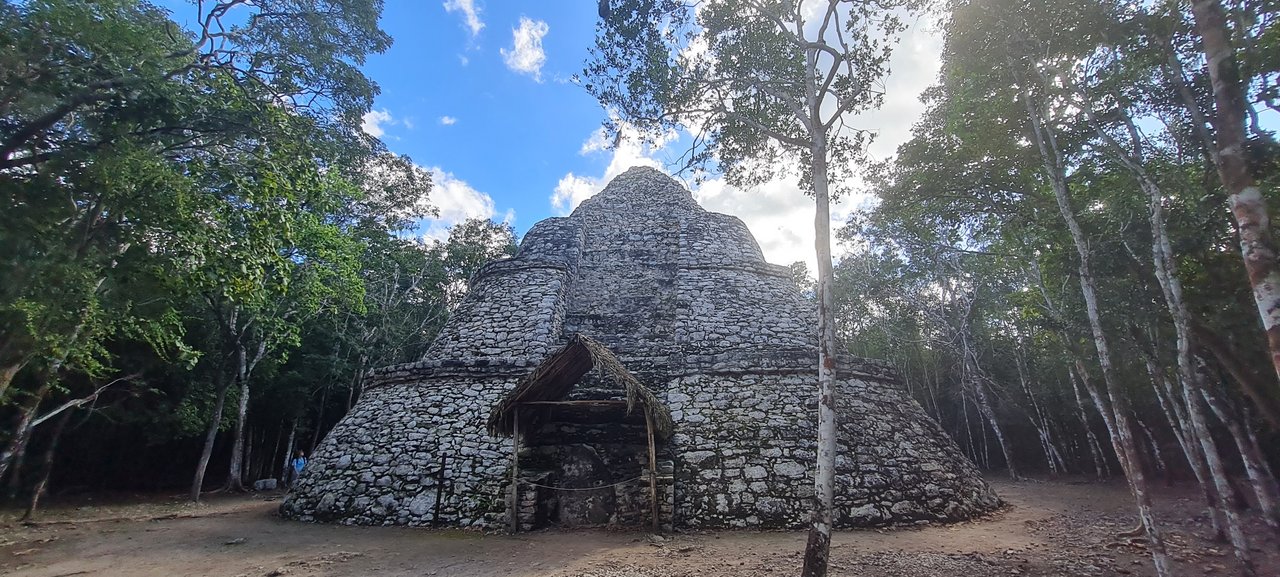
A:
{"points": [[686, 301]]}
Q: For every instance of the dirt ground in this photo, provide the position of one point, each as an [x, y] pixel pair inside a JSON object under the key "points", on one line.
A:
{"points": [[1049, 528]]}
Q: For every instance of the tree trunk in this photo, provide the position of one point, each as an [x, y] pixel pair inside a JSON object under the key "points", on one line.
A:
{"points": [[1255, 464], [244, 370], [1185, 434], [968, 430], [1218, 473], [211, 434], [315, 434], [286, 468], [275, 453], [818, 550], [235, 479], [1245, 199], [353, 393], [46, 466], [1039, 420], [15, 449], [248, 455], [1156, 455], [1259, 389], [985, 408], [7, 373], [1101, 469], [1121, 428], [1171, 287]]}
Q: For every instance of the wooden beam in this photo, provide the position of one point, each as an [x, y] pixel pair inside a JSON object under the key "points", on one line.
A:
{"points": [[514, 507], [653, 470], [583, 403]]}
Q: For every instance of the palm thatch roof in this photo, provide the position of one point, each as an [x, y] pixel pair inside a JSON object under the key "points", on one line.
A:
{"points": [[556, 376]]}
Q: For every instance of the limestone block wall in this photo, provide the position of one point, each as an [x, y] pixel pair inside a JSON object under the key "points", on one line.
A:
{"points": [[554, 240], [625, 287], [714, 239], [744, 452], [379, 465], [724, 308], [516, 311]]}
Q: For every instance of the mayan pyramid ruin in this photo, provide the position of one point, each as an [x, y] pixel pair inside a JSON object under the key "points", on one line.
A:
{"points": [[637, 362]]}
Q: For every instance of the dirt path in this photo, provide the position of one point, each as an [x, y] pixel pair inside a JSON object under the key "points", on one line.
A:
{"points": [[1050, 528]]}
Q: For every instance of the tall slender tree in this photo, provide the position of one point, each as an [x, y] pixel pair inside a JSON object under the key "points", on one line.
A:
{"points": [[758, 85]]}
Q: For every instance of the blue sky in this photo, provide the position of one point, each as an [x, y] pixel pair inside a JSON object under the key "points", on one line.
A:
{"points": [[505, 122], [480, 93]]}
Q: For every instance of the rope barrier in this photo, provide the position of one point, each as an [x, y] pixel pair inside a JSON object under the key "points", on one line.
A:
{"points": [[532, 484]]}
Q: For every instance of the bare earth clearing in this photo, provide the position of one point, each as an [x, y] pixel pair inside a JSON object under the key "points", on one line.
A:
{"points": [[1050, 528]]}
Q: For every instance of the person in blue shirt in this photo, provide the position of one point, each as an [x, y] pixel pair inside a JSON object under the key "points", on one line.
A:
{"points": [[299, 461]]}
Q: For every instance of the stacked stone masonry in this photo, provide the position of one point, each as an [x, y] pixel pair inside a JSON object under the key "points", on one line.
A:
{"points": [[687, 302]]}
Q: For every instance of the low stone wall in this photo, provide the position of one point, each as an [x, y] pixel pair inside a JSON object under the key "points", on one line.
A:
{"points": [[380, 465], [745, 449], [742, 456]]}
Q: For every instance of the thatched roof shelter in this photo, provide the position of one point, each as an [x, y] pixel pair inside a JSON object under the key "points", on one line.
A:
{"points": [[550, 383]]}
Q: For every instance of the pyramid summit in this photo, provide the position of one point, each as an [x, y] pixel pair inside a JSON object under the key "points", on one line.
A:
{"points": [[636, 362]]}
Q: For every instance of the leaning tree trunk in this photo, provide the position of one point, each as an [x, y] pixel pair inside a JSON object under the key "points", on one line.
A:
{"points": [[1165, 269], [315, 434], [1175, 413], [1171, 285], [818, 549], [1121, 428], [46, 466], [286, 468], [211, 434], [1039, 420], [1245, 199], [1255, 464], [16, 448], [1253, 384], [1101, 469], [984, 406], [1217, 471]]}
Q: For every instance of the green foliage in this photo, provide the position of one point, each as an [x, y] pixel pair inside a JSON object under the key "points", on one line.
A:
{"points": [[967, 241], [178, 195], [755, 84]]}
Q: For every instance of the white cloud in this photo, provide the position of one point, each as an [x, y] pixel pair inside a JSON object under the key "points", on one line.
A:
{"points": [[914, 67], [526, 55], [573, 189], [455, 201], [470, 15], [373, 121], [448, 120], [778, 213], [407, 122]]}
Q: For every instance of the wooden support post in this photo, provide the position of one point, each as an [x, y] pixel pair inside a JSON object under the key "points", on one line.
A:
{"points": [[435, 519], [513, 504], [653, 470]]}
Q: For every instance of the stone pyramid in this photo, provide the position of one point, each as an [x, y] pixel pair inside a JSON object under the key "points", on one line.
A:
{"points": [[685, 300]]}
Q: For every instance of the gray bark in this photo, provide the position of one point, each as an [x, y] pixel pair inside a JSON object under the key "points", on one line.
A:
{"points": [[46, 466], [286, 468], [210, 435], [244, 370], [1255, 463], [1245, 199], [1119, 424]]}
